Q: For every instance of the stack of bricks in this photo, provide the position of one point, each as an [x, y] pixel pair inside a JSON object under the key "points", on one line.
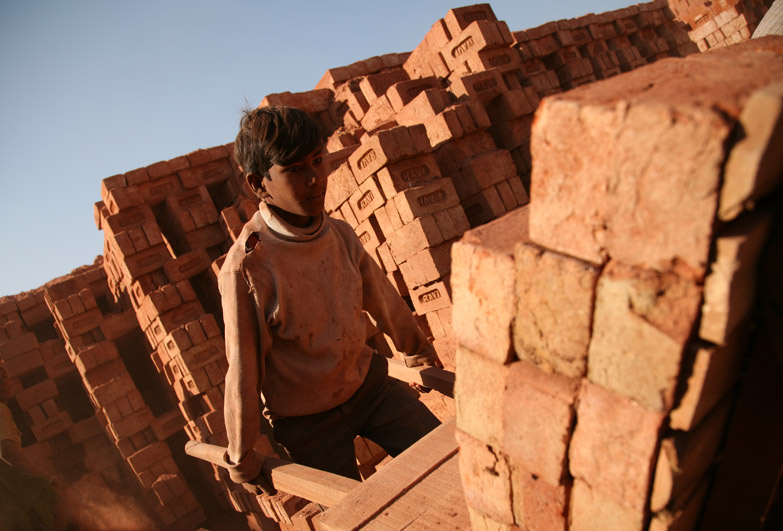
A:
{"points": [[719, 24], [601, 328], [61, 433], [97, 341]]}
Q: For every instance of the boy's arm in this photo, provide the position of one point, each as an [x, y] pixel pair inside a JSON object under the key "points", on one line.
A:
{"points": [[243, 379], [393, 316]]}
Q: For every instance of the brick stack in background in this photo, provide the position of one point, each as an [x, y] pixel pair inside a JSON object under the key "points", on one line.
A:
{"points": [[719, 24], [601, 328], [134, 404], [61, 432]]}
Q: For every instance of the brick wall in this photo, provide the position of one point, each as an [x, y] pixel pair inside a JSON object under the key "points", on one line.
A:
{"points": [[602, 328]]}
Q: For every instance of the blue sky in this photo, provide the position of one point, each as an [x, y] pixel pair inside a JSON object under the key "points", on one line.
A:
{"points": [[90, 89]]}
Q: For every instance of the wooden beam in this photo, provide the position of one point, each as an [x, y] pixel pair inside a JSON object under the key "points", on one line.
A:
{"points": [[311, 484], [439, 379]]}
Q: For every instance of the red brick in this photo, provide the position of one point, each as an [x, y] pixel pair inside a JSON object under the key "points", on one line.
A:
{"points": [[712, 372], [399, 176], [81, 323], [483, 207], [590, 510], [312, 101], [425, 105], [19, 345], [452, 222], [504, 59], [187, 265], [751, 170], [155, 192], [483, 278], [131, 424], [404, 92], [477, 36], [459, 18], [730, 286], [122, 198], [37, 394], [443, 127], [385, 146], [538, 417], [376, 85], [642, 322], [482, 86], [431, 297], [418, 235], [366, 199], [380, 115], [426, 199], [368, 235], [486, 479], [536, 503], [613, 447], [554, 315], [147, 457], [52, 426]]}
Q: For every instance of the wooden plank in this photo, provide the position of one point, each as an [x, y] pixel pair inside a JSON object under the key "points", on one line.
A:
{"points": [[311, 484], [432, 377], [392, 481]]}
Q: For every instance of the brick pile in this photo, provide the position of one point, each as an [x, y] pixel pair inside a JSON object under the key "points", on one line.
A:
{"points": [[61, 432], [719, 24], [602, 327]]}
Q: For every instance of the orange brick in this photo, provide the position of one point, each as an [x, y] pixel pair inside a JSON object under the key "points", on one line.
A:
{"points": [[399, 176], [452, 222], [376, 85], [404, 92], [425, 105], [477, 36], [636, 348], [486, 479], [366, 199], [613, 446], [383, 147], [483, 207], [431, 297], [187, 265], [37, 394], [426, 199], [536, 503], [415, 236], [482, 280], [538, 416], [482, 86]]}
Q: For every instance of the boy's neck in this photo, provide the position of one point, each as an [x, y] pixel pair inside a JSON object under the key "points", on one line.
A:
{"points": [[292, 219]]}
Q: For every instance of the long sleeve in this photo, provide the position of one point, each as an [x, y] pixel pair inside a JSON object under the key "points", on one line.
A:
{"points": [[244, 376], [392, 314]]}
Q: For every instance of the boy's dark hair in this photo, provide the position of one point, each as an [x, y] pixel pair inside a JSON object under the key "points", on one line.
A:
{"points": [[274, 135]]}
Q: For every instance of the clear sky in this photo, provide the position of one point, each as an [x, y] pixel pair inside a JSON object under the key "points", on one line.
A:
{"points": [[93, 88]]}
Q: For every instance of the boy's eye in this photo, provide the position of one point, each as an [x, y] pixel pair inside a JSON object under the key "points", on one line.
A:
{"points": [[293, 169], [318, 160]]}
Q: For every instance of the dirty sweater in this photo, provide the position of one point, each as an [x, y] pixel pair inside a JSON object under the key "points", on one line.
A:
{"points": [[295, 333]]}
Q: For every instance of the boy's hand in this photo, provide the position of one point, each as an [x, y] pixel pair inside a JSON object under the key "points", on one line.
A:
{"points": [[260, 485], [428, 358]]}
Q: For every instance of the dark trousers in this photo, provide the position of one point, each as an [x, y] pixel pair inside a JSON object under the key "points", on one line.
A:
{"points": [[381, 410]]}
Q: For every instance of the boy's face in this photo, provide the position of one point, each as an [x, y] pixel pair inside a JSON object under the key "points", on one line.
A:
{"points": [[297, 190]]}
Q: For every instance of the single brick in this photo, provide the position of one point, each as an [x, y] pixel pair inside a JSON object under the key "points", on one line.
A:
{"points": [[613, 447], [554, 312], [376, 85], [642, 322], [418, 235], [538, 417], [405, 174], [730, 286], [485, 478], [431, 297], [426, 199], [483, 207], [482, 86], [536, 503], [483, 279], [590, 510], [389, 145]]}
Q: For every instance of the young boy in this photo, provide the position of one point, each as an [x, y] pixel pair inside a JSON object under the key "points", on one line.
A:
{"points": [[293, 289]]}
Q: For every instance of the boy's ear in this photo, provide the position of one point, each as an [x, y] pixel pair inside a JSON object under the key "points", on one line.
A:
{"points": [[256, 184]]}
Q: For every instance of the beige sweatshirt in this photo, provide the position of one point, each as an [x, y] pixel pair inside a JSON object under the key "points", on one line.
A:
{"points": [[294, 328]]}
